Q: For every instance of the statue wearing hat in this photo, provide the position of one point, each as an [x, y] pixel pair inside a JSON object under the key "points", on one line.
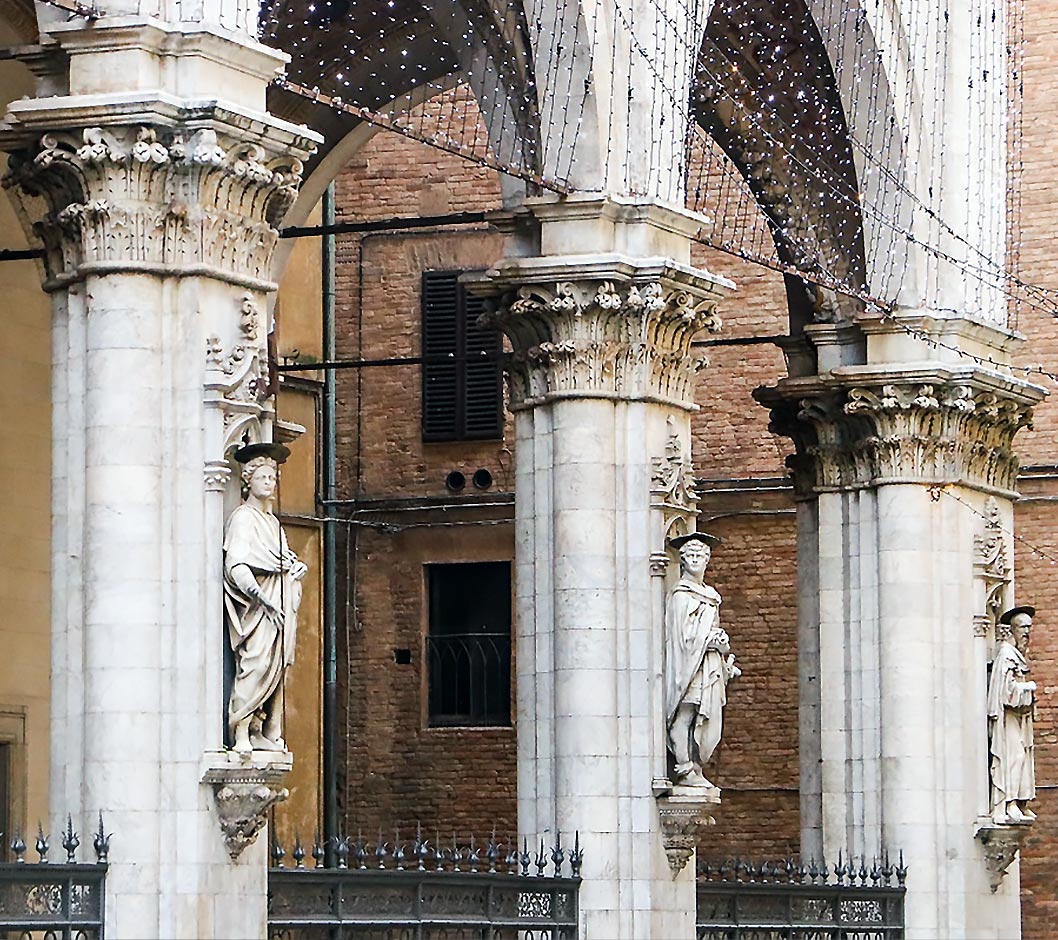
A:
{"points": [[262, 592], [698, 662], [1011, 697]]}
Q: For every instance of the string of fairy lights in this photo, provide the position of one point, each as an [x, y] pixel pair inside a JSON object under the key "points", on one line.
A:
{"points": [[794, 153]]}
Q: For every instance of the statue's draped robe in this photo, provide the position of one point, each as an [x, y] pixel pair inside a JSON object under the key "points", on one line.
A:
{"points": [[262, 647], [692, 624], [1010, 722]]}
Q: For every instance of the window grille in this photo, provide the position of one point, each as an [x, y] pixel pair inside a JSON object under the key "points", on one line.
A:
{"points": [[468, 645], [462, 399]]}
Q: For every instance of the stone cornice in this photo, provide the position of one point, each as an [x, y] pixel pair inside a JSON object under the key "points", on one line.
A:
{"points": [[868, 426], [154, 197], [601, 328]]}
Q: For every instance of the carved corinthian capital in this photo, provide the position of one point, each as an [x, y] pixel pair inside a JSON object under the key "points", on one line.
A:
{"points": [[866, 430], [156, 198], [604, 333]]}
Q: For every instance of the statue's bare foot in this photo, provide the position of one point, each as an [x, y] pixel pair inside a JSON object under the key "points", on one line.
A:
{"points": [[1014, 813]]}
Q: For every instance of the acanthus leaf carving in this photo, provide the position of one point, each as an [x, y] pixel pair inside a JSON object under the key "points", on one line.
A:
{"points": [[604, 337], [146, 194], [932, 432]]}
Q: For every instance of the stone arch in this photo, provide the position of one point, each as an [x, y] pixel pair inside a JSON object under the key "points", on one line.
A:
{"points": [[829, 212]]}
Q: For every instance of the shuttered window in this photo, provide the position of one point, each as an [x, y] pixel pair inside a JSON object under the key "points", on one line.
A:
{"points": [[462, 399]]}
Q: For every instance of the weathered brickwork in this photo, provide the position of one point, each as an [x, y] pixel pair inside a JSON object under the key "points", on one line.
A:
{"points": [[1036, 519]]}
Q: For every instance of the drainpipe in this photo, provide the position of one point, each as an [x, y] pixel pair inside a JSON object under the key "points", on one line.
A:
{"points": [[330, 553]]}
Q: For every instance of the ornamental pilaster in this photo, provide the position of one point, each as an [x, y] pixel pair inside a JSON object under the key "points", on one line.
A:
{"points": [[857, 427], [612, 330]]}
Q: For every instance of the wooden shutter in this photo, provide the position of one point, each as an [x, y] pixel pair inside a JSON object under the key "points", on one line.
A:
{"points": [[483, 374], [442, 416], [463, 399]]}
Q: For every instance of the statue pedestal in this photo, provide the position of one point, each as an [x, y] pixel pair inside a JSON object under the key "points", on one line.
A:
{"points": [[1000, 842], [684, 811], [245, 787]]}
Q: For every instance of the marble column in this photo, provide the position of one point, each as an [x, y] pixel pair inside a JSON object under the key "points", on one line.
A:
{"points": [[155, 179], [602, 382], [903, 470]]}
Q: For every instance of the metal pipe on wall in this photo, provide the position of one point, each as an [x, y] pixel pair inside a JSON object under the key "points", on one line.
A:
{"points": [[330, 541]]}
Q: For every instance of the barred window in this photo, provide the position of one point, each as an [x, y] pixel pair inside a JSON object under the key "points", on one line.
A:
{"points": [[468, 644], [462, 400]]}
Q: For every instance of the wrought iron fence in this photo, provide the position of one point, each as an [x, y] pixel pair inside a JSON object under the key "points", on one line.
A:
{"points": [[44, 900], [469, 678], [794, 900], [418, 890]]}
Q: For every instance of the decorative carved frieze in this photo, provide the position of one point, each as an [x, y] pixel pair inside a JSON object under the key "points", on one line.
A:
{"points": [[859, 435], [607, 338], [140, 197]]}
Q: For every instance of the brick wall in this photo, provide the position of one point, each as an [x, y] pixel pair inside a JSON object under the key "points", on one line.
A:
{"points": [[396, 771], [1036, 520]]}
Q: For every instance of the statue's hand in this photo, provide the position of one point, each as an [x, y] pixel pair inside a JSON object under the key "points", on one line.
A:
{"points": [[272, 612], [299, 570]]}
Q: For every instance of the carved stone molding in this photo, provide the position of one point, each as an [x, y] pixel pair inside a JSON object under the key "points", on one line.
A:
{"points": [[672, 488], [244, 791], [1000, 844], [992, 566], [901, 431], [684, 812], [604, 335], [216, 475], [153, 196]]}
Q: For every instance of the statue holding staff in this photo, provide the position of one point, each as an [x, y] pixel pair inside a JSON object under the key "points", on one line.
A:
{"points": [[262, 593]]}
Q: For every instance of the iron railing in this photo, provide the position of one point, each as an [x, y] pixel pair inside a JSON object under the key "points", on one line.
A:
{"points": [[469, 678], [416, 890], [792, 900], [45, 900]]}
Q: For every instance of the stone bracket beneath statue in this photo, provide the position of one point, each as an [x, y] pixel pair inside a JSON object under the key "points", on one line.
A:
{"points": [[244, 789], [1001, 842], [684, 811]]}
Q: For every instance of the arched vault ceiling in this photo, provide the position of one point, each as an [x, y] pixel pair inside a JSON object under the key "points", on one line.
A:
{"points": [[765, 92], [372, 54]]}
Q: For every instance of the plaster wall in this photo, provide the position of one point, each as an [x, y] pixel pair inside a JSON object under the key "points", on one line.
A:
{"points": [[25, 542]]}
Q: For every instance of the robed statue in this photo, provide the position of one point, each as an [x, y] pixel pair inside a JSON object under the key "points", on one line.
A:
{"points": [[1011, 699], [698, 662], [262, 592]]}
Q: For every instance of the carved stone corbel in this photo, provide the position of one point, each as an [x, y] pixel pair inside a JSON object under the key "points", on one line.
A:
{"points": [[244, 792], [683, 816], [1001, 844]]}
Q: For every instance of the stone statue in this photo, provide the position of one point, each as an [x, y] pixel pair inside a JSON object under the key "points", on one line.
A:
{"points": [[262, 592], [1011, 697], [698, 662]]}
